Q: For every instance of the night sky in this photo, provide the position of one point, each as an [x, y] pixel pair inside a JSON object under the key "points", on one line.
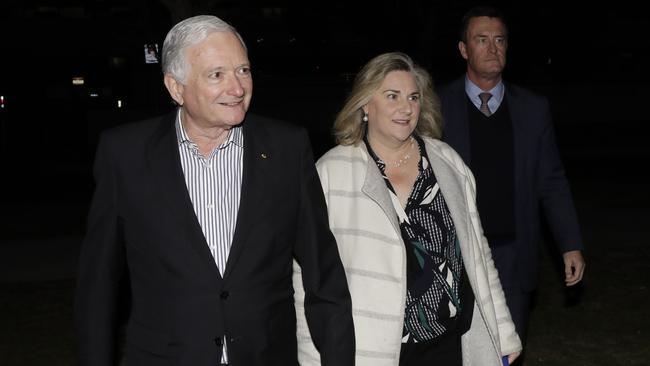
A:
{"points": [[304, 55]]}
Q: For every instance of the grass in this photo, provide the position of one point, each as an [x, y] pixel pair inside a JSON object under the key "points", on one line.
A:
{"points": [[36, 323], [606, 321]]}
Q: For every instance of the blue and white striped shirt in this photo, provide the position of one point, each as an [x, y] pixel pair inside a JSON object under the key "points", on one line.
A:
{"points": [[214, 185]]}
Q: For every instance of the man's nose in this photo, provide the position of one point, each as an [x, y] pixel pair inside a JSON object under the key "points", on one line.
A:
{"points": [[492, 46], [235, 86]]}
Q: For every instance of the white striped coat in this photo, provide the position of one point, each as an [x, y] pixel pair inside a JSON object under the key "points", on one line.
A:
{"points": [[366, 228]]}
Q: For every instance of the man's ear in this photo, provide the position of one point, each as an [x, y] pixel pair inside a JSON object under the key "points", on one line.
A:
{"points": [[174, 88], [462, 47]]}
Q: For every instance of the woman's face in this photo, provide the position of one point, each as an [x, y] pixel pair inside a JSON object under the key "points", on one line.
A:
{"points": [[394, 109]]}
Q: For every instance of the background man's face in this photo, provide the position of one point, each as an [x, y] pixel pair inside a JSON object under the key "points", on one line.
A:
{"points": [[485, 50]]}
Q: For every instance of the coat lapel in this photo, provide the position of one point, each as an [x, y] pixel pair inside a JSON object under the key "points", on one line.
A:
{"points": [[374, 187], [166, 167], [452, 185], [256, 170]]}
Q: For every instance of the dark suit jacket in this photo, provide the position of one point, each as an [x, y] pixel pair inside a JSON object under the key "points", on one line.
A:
{"points": [[142, 223], [540, 182]]}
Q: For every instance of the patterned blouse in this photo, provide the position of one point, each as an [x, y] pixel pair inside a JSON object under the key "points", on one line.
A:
{"points": [[434, 263]]}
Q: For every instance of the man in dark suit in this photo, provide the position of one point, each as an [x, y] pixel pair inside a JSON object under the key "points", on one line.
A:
{"points": [[203, 211], [505, 134]]}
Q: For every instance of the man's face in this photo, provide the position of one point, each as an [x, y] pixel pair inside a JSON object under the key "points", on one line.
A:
{"points": [[218, 85], [485, 50]]}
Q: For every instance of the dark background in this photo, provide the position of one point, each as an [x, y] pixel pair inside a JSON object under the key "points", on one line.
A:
{"points": [[590, 60]]}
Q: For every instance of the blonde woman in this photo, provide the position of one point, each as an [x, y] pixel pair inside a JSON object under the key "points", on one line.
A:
{"points": [[402, 207]]}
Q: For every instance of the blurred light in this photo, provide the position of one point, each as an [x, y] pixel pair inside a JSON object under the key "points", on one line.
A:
{"points": [[94, 95], [548, 62], [2, 101], [119, 103], [77, 80], [118, 62], [260, 40]]}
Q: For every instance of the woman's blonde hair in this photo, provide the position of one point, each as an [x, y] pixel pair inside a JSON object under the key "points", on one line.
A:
{"points": [[349, 127]]}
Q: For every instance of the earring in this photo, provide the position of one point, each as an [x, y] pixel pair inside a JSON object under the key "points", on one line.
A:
{"points": [[365, 117]]}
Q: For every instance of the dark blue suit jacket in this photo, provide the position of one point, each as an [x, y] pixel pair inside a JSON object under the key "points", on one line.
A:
{"points": [[142, 223], [540, 183]]}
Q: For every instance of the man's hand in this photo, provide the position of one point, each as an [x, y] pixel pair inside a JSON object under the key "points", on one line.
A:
{"points": [[574, 267]]}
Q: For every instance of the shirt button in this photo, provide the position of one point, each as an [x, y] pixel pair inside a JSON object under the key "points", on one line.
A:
{"points": [[210, 205], [224, 295]]}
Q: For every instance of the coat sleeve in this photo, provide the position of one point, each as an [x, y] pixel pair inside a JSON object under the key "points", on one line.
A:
{"points": [[327, 304], [101, 266], [554, 190]]}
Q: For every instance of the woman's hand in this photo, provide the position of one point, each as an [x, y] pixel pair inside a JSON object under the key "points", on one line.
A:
{"points": [[512, 357]]}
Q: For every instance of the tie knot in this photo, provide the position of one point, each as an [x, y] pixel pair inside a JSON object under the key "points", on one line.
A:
{"points": [[485, 97]]}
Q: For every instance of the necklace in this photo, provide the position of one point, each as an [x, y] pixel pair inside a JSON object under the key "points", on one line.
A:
{"points": [[406, 157]]}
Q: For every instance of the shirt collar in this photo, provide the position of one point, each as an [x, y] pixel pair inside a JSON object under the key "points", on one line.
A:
{"points": [[235, 134], [380, 163], [472, 91]]}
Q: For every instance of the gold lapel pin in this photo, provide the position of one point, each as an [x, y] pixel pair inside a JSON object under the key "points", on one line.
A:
{"points": [[263, 156]]}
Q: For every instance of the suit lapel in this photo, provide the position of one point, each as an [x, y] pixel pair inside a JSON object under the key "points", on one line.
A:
{"points": [[256, 170], [519, 137], [166, 167], [456, 131]]}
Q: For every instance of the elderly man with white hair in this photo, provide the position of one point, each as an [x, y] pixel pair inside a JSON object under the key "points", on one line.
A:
{"points": [[202, 212]]}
